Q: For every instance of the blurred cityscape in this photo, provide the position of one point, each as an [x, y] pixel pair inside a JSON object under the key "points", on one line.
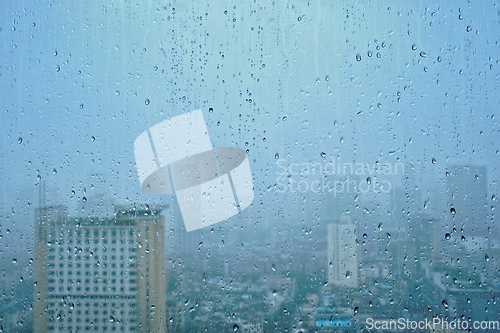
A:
{"points": [[330, 270]]}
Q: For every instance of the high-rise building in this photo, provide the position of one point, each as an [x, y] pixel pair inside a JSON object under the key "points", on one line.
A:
{"points": [[342, 253], [467, 199], [96, 274]]}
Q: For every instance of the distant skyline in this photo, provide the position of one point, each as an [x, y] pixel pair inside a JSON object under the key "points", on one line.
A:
{"points": [[80, 85]]}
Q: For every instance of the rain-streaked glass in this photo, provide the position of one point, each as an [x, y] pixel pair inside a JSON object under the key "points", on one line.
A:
{"points": [[341, 173]]}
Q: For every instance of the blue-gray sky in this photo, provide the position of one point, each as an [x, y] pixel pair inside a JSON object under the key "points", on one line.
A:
{"points": [[282, 77]]}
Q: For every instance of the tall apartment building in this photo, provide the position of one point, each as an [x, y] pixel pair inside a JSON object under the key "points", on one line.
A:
{"points": [[101, 275], [342, 254]]}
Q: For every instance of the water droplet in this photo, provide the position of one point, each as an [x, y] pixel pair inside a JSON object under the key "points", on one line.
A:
{"points": [[365, 235], [433, 160], [14, 261], [453, 211], [235, 327], [348, 274], [447, 236], [147, 101], [368, 180], [486, 257], [370, 53], [112, 319], [462, 238], [117, 93], [58, 68], [210, 110], [81, 106], [171, 319], [439, 59], [356, 310], [276, 156], [156, 67], [469, 28], [383, 44], [55, 52], [84, 199], [284, 118], [445, 304], [460, 17], [275, 292], [358, 57], [54, 171], [20, 140], [414, 47], [423, 54], [323, 154], [327, 78], [378, 55]]}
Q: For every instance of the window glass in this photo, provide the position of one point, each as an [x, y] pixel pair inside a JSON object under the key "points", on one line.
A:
{"points": [[249, 166]]}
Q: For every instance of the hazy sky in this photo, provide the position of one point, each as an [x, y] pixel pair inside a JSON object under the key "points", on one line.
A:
{"points": [[283, 79]]}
